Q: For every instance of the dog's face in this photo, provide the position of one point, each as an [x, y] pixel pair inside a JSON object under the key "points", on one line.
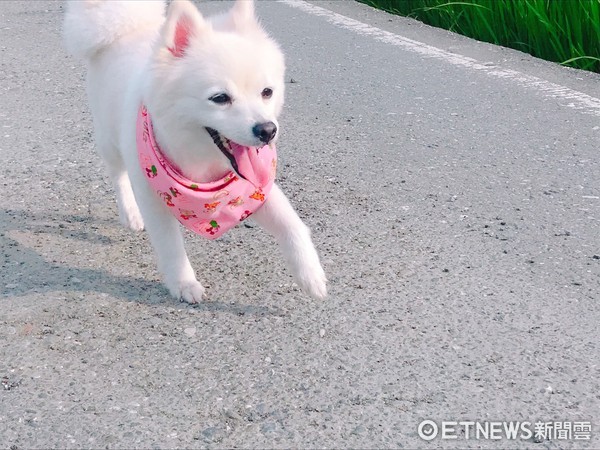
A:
{"points": [[224, 77]]}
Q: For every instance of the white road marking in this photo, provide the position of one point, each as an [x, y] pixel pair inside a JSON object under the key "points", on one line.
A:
{"points": [[575, 99]]}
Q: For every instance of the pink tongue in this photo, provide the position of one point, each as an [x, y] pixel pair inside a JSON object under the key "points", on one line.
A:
{"points": [[251, 165]]}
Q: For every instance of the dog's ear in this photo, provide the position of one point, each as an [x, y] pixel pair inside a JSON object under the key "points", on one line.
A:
{"points": [[243, 10], [242, 15], [183, 22]]}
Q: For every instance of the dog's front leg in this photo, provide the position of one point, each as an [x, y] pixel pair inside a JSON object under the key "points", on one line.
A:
{"points": [[279, 218], [165, 236]]}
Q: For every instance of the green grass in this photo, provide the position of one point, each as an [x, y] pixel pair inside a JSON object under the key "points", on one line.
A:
{"points": [[563, 31]]}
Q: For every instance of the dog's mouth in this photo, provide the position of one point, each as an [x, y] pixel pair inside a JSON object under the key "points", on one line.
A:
{"points": [[253, 164], [224, 145]]}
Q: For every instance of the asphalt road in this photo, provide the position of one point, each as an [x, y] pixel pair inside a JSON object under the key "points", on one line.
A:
{"points": [[456, 209]]}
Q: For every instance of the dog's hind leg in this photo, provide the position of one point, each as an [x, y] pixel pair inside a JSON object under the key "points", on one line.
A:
{"points": [[129, 213]]}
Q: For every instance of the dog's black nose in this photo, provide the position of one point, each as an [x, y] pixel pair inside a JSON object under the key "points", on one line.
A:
{"points": [[265, 131]]}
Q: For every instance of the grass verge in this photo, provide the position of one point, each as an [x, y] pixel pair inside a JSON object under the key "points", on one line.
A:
{"points": [[563, 31]]}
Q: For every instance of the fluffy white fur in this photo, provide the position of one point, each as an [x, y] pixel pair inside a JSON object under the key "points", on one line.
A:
{"points": [[126, 47]]}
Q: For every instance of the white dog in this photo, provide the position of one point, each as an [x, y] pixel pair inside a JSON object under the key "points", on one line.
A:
{"points": [[202, 96]]}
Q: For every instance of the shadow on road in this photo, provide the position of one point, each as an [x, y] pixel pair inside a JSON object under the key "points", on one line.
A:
{"points": [[25, 271]]}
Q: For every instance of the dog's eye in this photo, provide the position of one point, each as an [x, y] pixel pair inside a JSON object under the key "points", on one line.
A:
{"points": [[220, 99], [267, 93]]}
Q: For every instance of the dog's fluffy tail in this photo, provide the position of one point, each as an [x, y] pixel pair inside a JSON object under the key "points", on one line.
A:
{"points": [[92, 25]]}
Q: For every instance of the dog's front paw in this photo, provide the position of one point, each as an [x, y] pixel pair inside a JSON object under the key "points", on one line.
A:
{"points": [[190, 292], [312, 280]]}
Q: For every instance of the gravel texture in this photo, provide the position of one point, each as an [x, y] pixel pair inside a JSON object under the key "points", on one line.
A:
{"points": [[457, 216]]}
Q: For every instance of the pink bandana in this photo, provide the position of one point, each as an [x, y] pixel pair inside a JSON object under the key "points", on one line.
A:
{"points": [[208, 209]]}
